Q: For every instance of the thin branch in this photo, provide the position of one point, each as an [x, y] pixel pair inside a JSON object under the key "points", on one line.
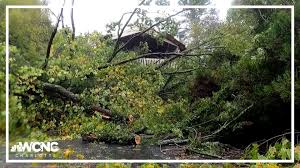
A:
{"points": [[205, 154], [53, 14], [120, 33], [213, 47], [170, 78], [262, 16], [72, 21], [202, 44], [227, 123], [62, 21], [169, 90], [119, 23], [166, 62], [181, 72], [187, 51], [205, 122], [263, 141], [277, 136]]}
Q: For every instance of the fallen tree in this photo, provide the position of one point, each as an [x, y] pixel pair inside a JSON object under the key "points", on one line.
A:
{"points": [[57, 91]]}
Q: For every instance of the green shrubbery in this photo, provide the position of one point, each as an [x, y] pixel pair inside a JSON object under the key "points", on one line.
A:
{"points": [[126, 90], [280, 150]]}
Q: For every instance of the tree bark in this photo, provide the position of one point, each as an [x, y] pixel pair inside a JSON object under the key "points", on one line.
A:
{"points": [[173, 141], [52, 88]]}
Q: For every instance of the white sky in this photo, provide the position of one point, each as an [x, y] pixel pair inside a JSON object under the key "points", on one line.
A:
{"points": [[93, 15]]}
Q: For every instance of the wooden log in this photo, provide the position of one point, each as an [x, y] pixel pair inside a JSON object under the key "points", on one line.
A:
{"points": [[173, 141], [63, 92], [108, 114]]}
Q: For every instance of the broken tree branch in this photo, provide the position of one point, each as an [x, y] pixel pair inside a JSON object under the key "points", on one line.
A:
{"points": [[120, 33], [178, 55], [173, 141], [44, 66], [226, 124], [275, 137], [53, 13], [48, 87], [170, 78], [194, 150], [203, 43], [101, 110], [180, 72], [262, 16], [62, 21], [63, 93]]}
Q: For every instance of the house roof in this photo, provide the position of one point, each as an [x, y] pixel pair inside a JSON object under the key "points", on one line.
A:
{"points": [[169, 44]]}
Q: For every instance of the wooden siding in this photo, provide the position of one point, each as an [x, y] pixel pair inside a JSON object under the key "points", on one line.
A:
{"points": [[147, 61]]}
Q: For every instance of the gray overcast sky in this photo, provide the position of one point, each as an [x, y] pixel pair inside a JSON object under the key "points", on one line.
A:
{"points": [[93, 15]]}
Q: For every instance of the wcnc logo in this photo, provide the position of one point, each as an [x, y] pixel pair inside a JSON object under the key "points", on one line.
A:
{"points": [[35, 147]]}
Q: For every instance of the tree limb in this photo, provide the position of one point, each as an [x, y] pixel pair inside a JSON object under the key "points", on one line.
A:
{"points": [[205, 154], [275, 137], [262, 16], [62, 21], [44, 66], [53, 13], [62, 92], [178, 55], [170, 78], [120, 33], [226, 124], [173, 141], [203, 43], [48, 87], [181, 72], [119, 23], [101, 110], [72, 21]]}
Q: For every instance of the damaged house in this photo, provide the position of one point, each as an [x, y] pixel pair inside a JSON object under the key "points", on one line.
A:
{"points": [[167, 44]]}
